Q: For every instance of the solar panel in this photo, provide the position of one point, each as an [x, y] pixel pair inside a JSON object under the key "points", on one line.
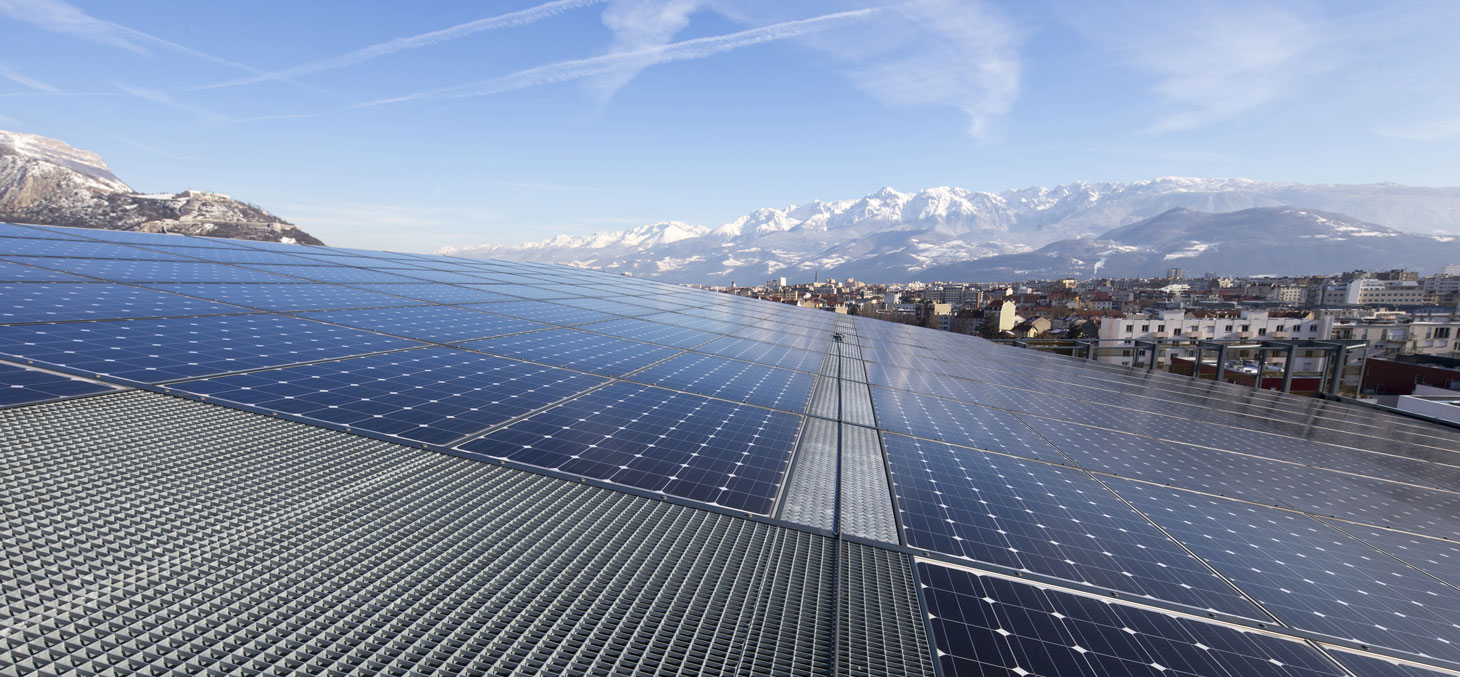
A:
{"points": [[1065, 516], [441, 275], [562, 315], [152, 351], [639, 330], [1046, 519], [65, 302], [126, 270], [438, 324], [286, 297], [338, 274], [960, 423], [732, 380], [575, 350], [1438, 557], [17, 246], [1145, 458], [984, 625], [223, 254], [437, 293], [12, 271], [19, 385], [764, 353], [430, 395], [683, 445], [1309, 575]]}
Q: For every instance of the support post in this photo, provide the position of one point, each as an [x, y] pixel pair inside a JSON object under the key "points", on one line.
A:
{"points": [[1288, 368], [1261, 367], [1221, 362], [1196, 364], [1339, 360]]}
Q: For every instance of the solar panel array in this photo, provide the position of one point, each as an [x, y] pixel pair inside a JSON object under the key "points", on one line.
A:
{"points": [[1058, 516]]}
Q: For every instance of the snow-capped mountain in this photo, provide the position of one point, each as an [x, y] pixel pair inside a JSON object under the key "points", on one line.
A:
{"points": [[1262, 240], [45, 181], [895, 236]]}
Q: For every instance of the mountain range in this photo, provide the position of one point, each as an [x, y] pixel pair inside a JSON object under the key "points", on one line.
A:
{"points": [[45, 181], [1223, 225]]}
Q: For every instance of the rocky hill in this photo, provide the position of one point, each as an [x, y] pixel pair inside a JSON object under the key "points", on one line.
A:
{"points": [[45, 181]]}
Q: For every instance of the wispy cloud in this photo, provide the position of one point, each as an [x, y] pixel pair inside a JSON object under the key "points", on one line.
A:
{"points": [[959, 53], [1211, 61], [640, 26], [9, 73], [60, 17], [509, 20], [577, 69]]}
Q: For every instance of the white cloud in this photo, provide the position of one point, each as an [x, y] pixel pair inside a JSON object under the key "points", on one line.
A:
{"points": [[686, 50], [508, 20]]}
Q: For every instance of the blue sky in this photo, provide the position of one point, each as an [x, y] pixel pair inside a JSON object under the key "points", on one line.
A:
{"points": [[416, 125]]}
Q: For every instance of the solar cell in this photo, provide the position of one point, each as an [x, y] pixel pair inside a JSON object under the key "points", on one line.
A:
{"points": [[286, 297], [1046, 519], [682, 445], [430, 395], [984, 625], [152, 351], [19, 385], [1309, 575], [732, 380], [437, 324], [575, 350], [64, 302]]}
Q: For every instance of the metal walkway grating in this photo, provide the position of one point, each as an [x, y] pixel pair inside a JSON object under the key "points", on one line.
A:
{"points": [[147, 534], [881, 624]]}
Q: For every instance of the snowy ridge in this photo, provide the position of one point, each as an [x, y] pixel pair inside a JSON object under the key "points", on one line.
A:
{"points": [[892, 235], [83, 162]]}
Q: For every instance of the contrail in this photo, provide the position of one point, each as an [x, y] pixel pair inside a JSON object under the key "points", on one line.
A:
{"points": [[509, 20], [698, 48]]}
